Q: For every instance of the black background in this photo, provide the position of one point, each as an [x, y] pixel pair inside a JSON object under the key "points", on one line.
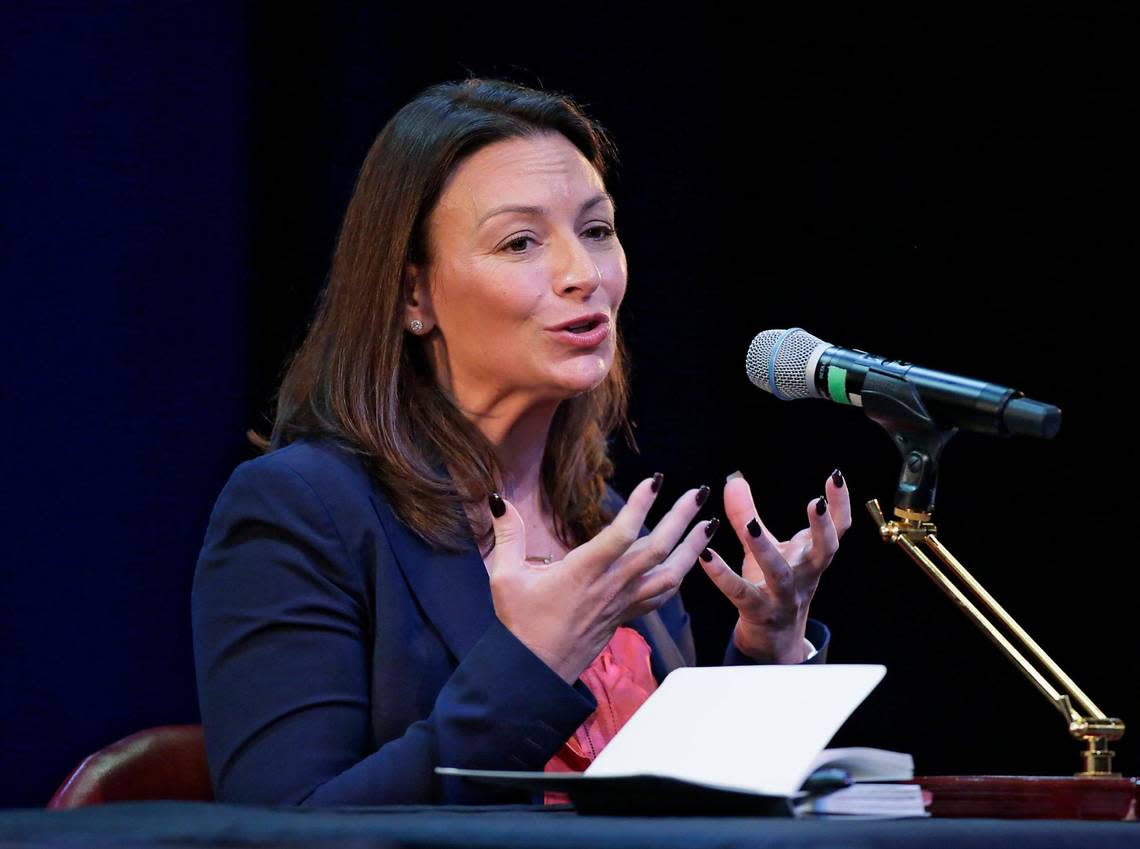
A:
{"points": [[955, 191]]}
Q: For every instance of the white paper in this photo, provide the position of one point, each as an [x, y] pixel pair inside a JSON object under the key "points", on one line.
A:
{"points": [[751, 728]]}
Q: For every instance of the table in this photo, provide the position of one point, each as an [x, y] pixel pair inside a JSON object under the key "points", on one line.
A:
{"points": [[167, 824]]}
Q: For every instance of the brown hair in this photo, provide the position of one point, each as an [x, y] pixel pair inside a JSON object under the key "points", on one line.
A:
{"points": [[362, 380]]}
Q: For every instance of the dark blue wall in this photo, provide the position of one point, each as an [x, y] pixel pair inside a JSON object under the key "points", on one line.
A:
{"points": [[959, 194], [126, 278]]}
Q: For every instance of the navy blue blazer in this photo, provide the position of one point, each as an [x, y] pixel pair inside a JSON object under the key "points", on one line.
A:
{"points": [[340, 658]]}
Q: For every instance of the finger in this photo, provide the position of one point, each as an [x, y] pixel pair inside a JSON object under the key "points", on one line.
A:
{"points": [[666, 577], [838, 501], [796, 549], [656, 547], [758, 542], [614, 539], [824, 539], [510, 534], [777, 573], [738, 504], [740, 592], [648, 605]]}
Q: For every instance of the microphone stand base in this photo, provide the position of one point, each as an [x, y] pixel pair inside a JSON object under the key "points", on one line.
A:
{"points": [[1031, 797]]}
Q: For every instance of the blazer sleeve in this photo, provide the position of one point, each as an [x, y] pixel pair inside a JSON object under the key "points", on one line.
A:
{"points": [[283, 643]]}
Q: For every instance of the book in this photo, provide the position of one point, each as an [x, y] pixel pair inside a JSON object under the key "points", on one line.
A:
{"points": [[721, 740], [867, 800]]}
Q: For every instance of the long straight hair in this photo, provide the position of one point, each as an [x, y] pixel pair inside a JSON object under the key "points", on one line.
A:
{"points": [[362, 380]]}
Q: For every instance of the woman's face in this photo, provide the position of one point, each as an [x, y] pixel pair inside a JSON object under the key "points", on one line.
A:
{"points": [[525, 275]]}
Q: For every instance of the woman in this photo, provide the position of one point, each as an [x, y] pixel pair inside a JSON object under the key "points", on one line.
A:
{"points": [[428, 569]]}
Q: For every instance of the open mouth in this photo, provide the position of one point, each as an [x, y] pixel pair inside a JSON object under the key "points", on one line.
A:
{"points": [[585, 331], [582, 324], [583, 327]]}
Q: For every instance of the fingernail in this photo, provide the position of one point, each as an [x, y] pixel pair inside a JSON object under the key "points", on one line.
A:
{"points": [[837, 478], [706, 556], [657, 478], [702, 495], [754, 528], [498, 508], [821, 505], [733, 476], [711, 525]]}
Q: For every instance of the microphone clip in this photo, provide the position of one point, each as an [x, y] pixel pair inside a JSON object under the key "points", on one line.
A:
{"points": [[897, 407]]}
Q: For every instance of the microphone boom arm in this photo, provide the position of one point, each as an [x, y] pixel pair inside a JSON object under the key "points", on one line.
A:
{"points": [[897, 407]]}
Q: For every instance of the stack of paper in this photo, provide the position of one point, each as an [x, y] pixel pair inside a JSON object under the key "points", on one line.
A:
{"points": [[869, 800]]}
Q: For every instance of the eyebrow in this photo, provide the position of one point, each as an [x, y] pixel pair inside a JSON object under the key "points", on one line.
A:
{"points": [[540, 210]]}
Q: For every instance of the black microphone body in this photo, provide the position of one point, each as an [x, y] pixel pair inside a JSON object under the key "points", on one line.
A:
{"points": [[776, 358], [975, 405]]}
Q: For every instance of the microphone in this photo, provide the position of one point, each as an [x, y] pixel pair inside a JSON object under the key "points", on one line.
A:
{"points": [[793, 364]]}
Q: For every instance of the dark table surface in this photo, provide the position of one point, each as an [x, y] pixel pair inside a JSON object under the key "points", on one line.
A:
{"points": [[138, 824]]}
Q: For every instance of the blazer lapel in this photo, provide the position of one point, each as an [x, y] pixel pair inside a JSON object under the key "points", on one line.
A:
{"points": [[455, 594], [451, 587], [665, 656]]}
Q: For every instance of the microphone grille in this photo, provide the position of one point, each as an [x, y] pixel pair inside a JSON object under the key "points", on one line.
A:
{"points": [[778, 360]]}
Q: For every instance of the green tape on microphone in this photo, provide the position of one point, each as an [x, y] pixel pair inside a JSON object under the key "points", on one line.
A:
{"points": [[837, 385]]}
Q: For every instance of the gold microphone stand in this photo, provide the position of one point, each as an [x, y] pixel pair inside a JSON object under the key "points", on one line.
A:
{"points": [[897, 407], [1092, 727]]}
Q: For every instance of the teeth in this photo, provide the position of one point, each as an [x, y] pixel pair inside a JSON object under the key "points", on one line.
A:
{"points": [[580, 328]]}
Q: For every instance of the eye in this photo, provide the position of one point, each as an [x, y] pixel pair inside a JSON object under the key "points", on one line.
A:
{"points": [[517, 245], [600, 232]]}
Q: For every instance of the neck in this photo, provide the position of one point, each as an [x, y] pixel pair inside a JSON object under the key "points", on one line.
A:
{"points": [[517, 430], [519, 439], [516, 425]]}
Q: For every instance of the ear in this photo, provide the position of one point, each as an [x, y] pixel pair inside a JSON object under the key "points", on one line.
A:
{"points": [[417, 298]]}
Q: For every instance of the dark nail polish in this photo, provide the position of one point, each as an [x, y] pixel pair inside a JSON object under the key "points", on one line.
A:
{"points": [[821, 505], [706, 556], [498, 508], [837, 478], [702, 495], [710, 526], [657, 478], [754, 528]]}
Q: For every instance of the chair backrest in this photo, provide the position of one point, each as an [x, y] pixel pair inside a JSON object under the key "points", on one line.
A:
{"points": [[167, 762]]}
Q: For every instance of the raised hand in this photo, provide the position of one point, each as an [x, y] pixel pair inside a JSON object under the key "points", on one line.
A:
{"points": [[777, 579], [567, 611]]}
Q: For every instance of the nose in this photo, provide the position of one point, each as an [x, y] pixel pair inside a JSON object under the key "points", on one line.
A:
{"points": [[577, 272]]}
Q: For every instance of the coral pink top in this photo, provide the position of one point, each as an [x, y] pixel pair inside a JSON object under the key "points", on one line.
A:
{"points": [[620, 679]]}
